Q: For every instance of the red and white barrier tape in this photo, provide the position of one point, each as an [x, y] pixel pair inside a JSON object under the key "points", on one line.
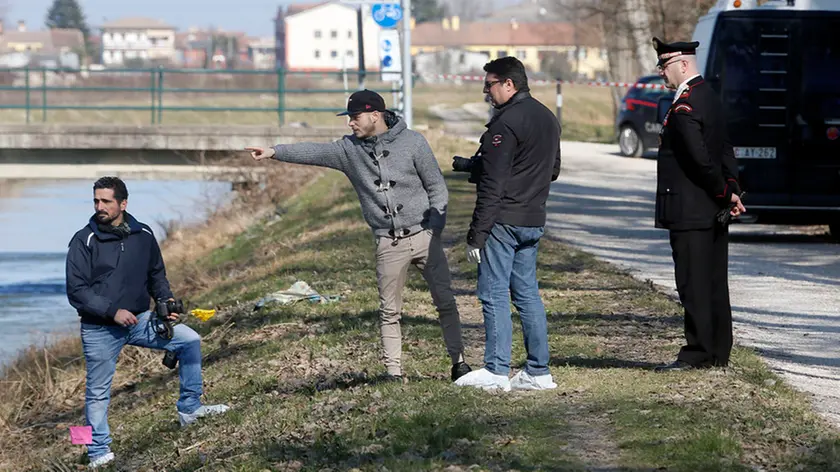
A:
{"points": [[478, 78]]}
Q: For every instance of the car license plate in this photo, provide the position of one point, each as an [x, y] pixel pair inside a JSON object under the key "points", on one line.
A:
{"points": [[755, 153]]}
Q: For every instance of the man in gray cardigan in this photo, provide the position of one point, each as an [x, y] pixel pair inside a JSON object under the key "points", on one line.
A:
{"points": [[403, 198]]}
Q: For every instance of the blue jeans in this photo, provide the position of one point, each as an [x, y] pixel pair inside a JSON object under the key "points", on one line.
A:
{"points": [[508, 272], [102, 346]]}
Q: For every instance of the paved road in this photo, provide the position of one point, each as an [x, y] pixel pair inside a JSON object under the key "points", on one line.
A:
{"points": [[784, 285]]}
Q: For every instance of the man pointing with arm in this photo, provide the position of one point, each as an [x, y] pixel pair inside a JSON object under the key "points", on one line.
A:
{"points": [[403, 198]]}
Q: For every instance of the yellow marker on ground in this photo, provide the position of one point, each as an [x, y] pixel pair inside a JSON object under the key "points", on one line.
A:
{"points": [[203, 315]]}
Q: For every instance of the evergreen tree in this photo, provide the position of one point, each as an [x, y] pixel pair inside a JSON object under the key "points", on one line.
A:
{"points": [[68, 14]]}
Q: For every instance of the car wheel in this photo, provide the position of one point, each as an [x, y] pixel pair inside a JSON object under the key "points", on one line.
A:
{"points": [[629, 142], [834, 228]]}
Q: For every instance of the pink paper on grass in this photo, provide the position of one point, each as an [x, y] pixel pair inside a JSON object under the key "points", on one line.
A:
{"points": [[81, 435]]}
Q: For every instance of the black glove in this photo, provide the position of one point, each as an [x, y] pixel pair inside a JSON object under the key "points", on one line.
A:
{"points": [[724, 217]]}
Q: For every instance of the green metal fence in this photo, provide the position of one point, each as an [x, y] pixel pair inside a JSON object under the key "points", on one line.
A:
{"points": [[162, 91]]}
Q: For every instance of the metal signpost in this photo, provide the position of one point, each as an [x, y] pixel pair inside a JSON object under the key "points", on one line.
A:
{"points": [[387, 15]]}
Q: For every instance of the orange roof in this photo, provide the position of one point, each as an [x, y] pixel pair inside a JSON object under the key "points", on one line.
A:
{"points": [[500, 34]]}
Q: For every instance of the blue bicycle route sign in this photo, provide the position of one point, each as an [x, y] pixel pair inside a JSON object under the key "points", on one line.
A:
{"points": [[386, 15]]}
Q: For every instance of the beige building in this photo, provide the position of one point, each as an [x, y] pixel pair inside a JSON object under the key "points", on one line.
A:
{"points": [[145, 39], [45, 41], [535, 43]]}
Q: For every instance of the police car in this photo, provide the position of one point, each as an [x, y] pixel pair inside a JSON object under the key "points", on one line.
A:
{"points": [[636, 125]]}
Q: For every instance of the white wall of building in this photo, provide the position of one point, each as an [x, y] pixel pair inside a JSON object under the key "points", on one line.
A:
{"points": [[119, 45], [324, 36]]}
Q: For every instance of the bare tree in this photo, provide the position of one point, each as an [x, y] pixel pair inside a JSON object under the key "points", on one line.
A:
{"points": [[5, 6], [627, 26], [468, 10]]}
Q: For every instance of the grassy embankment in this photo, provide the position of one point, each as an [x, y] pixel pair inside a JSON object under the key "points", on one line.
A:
{"points": [[303, 380]]}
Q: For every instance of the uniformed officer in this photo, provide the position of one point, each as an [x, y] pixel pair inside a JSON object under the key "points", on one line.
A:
{"points": [[697, 184]]}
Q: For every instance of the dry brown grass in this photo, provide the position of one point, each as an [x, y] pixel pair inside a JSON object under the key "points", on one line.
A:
{"points": [[43, 390], [44, 387], [303, 383]]}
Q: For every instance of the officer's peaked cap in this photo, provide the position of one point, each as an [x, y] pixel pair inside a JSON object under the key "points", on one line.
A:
{"points": [[665, 51]]}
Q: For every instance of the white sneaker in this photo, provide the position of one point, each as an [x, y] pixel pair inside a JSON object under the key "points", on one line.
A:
{"points": [[203, 410], [101, 460], [525, 381], [483, 378]]}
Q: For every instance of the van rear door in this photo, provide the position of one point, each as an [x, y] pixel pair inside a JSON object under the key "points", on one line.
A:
{"points": [[815, 177], [750, 67]]}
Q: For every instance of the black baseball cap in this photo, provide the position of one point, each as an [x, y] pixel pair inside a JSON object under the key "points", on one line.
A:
{"points": [[364, 101]]}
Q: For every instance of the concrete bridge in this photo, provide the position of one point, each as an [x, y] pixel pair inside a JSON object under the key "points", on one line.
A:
{"points": [[159, 152]]}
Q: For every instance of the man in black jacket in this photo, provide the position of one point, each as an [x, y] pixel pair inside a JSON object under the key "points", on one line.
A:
{"points": [[114, 265], [697, 184], [519, 158]]}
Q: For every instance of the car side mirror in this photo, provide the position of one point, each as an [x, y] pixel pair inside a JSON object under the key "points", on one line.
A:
{"points": [[662, 108]]}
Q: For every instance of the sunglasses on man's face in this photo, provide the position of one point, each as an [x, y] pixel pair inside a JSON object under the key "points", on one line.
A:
{"points": [[488, 85], [665, 66]]}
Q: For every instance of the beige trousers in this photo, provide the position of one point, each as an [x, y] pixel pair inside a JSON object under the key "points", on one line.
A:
{"points": [[424, 251]]}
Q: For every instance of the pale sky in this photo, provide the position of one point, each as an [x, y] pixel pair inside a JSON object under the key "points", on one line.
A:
{"points": [[256, 17], [253, 16]]}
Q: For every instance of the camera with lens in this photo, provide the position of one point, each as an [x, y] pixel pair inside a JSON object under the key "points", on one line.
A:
{"points": [[164, 327], [471, 165]]}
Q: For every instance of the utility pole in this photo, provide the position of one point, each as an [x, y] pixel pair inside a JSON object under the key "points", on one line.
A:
{"points": [[361, 37], [406, 65]]}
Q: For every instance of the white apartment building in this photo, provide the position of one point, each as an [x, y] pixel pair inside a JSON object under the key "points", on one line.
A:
{"points": [[323, 37], [137, 38]]}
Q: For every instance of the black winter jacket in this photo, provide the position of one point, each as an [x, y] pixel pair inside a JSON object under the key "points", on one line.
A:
{"points": [[106, 272], [520, 157]]}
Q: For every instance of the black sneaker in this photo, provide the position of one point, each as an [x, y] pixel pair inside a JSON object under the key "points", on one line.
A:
{"points": [[459, 370]]}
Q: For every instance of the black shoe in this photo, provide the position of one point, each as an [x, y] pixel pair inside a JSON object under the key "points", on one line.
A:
{"points": [[459, 370], [675, 366], [392, 378]]}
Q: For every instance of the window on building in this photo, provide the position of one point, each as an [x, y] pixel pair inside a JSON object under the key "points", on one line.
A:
{"points": [[131, 37], [486, 53], [501, 53], [350, 53], [334, 34], [106, 38], [349, 34], [604, 55], [118, 37], [582, 53], [521, 53], [317, 54], [317, 34], [333, 53]]}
